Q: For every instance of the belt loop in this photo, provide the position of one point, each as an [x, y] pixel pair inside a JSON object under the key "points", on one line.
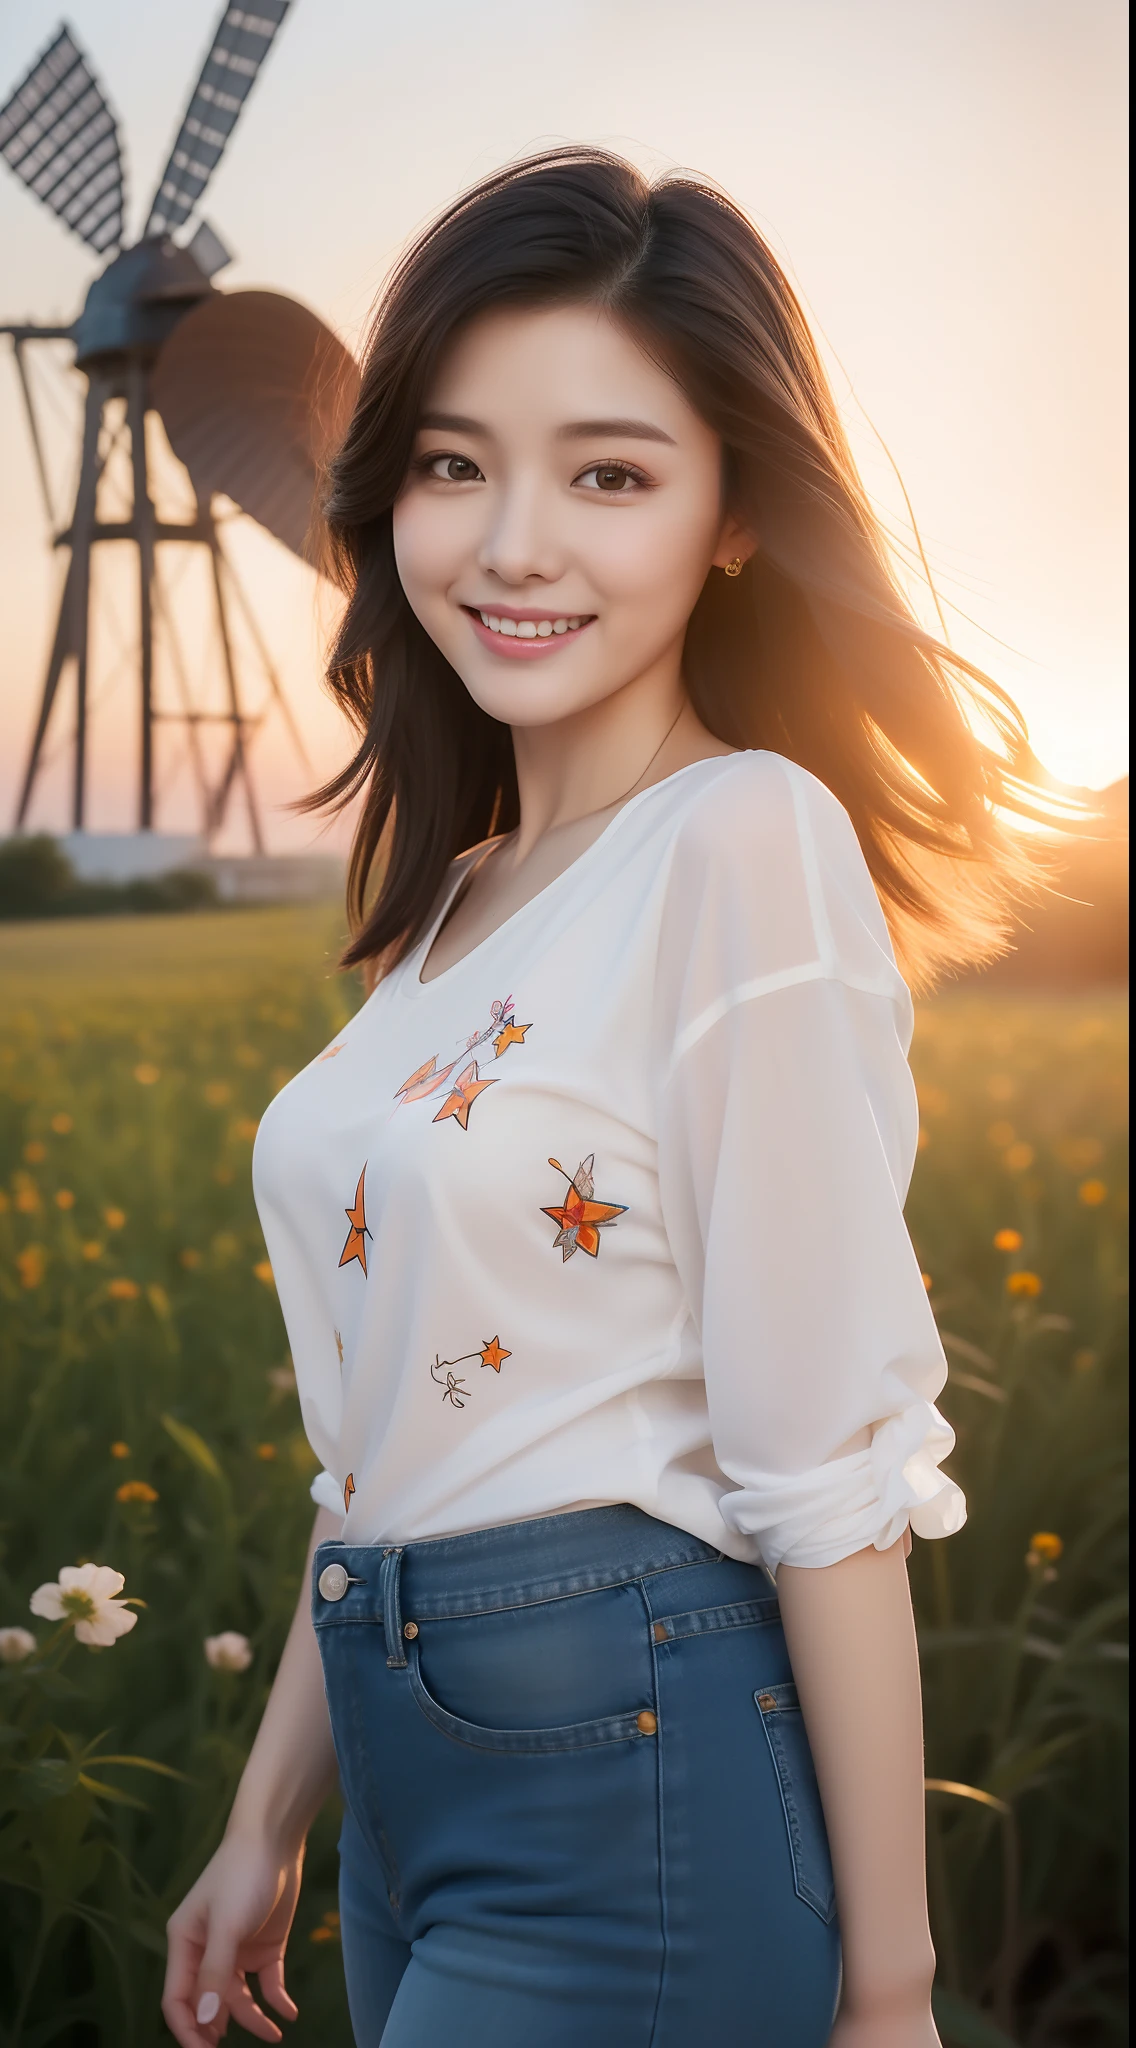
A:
{"points": [[390, 1573]]}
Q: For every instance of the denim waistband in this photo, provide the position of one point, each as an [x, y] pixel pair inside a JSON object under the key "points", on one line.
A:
{"points": [[549, 1558]]}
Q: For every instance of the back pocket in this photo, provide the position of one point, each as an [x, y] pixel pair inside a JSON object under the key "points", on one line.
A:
{"points": [[784, 1727]]}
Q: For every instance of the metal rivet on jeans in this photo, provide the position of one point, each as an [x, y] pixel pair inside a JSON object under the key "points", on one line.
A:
{"points": [[768, 1701], [410, 1630], [333, 1582], [646, 1722]]}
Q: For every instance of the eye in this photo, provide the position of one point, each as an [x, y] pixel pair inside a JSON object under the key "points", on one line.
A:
{"points": [[613, 478], [451, 469]]}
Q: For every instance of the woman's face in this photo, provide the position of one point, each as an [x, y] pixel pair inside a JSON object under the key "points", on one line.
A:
{"points": [[561, 513]]}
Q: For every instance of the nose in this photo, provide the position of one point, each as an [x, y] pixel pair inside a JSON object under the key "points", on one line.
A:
{"points": [[520, 544]]}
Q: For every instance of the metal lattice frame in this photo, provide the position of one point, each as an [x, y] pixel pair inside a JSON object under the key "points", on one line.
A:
{"points": [[240, 46], [60, 137]]}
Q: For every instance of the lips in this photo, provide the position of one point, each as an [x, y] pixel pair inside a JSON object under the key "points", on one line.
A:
{"points": [[525, 634]]}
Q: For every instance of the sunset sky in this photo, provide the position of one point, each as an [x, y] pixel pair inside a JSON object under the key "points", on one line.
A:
{"points": [[944, 180]]}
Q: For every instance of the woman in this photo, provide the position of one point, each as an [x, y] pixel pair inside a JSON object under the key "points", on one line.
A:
{"points": [[588, 1228]]}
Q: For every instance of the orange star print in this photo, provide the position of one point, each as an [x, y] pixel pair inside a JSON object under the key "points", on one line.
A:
{"points": [[580, 1219], [348, 1490], [454, 1390], [502, 1030], [356, 1245], [463, 1095], [492, 1354]]}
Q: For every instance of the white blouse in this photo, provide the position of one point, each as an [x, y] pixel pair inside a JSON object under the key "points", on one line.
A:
{"points": [[612, 1208]]}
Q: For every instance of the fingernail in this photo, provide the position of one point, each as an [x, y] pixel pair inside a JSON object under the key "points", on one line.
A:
{"points": [[208, 2006]]}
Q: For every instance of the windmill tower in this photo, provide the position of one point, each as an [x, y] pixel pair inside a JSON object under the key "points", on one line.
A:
{"points": [[249, 388]]}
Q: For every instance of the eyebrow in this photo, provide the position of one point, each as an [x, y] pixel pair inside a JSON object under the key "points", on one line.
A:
{"points": [[576, 430]]}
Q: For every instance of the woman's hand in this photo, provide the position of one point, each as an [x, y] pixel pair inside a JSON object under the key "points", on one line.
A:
{"points": [[236, 1919], [893, 2029]]}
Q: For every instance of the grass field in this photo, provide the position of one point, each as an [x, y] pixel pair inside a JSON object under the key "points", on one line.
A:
{"points": [[148, 1420]]}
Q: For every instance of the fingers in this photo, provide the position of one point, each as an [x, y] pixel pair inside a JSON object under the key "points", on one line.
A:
{"points": [[248, 2013], [272, 1988]]}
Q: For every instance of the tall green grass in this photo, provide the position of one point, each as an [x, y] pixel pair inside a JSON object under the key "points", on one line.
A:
{"points": [[142, 1347]]}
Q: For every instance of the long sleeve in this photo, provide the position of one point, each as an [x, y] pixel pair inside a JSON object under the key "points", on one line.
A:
{"points": [[787, 1133]]}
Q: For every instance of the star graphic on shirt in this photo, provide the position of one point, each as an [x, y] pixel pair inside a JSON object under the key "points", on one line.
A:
{"points": [[492, 1354], [330, 1053], [348, 1490], [356, 1245], [462, 1096], [580, 1219], [512, 1034]]}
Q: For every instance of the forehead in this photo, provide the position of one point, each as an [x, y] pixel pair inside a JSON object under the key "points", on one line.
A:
{"points": [[545, 367]]}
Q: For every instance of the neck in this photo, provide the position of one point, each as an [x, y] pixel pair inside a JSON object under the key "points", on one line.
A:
{"points": [[587, 763]]}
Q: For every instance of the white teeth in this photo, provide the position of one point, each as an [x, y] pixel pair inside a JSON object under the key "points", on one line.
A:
{"points": [[529, 629]]}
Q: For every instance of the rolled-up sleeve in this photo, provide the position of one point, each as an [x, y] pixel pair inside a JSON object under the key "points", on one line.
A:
{"points": [[787, 1133]]}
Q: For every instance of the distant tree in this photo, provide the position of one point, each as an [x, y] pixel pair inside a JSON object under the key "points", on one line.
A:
{"points": [[36, 877]]}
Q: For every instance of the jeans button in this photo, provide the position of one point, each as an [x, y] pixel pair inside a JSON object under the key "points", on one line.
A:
{"points": [[646, 1722], [333, 1582], [410, 1631]]}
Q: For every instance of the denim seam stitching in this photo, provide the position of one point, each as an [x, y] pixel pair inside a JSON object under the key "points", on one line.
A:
{"points": [[659, 1822], [617, 1727]]}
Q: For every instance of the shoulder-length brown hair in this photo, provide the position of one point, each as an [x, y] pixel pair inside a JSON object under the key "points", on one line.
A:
{"points": [[813, 651]]}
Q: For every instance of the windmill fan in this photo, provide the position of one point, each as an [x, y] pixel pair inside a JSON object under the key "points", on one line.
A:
{"points": [[248, 385]]}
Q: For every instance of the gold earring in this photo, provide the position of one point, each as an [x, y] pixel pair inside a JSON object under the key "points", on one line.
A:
{"points": [[735, 567]]}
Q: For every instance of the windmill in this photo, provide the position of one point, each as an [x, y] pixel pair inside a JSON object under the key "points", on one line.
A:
{"points": [[248, 386]]}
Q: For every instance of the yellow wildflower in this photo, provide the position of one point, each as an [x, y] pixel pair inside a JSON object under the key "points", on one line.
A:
{"points": [[146, 1074], [93, 1250], [114, 1218], [927, 1281], [31, 1264], [189, 1258], [135, 1490], [246, 1127], [61, 1123], [119, 1450], [1092, 1193], [322, 1934], [35, 1152], [122, 1289], [263, 1271], [64, 1199], [1028, 1284], [217, 1093], [1045, 1548], [27, 1200], [1084, 1361], [1007, 1240], [247, 1056], [1018, 1157], [266, 1453]]}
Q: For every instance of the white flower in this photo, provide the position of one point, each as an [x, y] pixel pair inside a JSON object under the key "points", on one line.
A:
{"points": [[83, 1594], [228, 1651], [15, 1645]]}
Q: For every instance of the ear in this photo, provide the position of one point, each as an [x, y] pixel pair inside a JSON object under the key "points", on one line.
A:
{"points": [[734, 540]]}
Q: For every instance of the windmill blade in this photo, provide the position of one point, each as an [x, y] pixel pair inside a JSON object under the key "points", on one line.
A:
{"points": [[240, 46], [254, 391], [60, 137]]}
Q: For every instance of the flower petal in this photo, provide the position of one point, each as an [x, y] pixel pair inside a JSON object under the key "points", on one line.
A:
{"points": [[47, 1601], [109, 1623]]}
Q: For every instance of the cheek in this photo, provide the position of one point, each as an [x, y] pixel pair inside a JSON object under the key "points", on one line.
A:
{"points": [[656, 555], [430, 543]]}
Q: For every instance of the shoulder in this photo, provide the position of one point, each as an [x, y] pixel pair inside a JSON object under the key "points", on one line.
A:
{"points": [[758, 811]]}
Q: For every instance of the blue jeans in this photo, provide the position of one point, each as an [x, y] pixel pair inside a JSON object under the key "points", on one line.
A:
{"points": [[580, 1808]]}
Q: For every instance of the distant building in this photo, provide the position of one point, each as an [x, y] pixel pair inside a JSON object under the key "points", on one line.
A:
{"points": [[131, 856], [238, 878]]}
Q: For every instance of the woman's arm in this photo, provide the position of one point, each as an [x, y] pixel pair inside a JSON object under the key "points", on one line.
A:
{"points": [[238, 1915], [851, 1638]]}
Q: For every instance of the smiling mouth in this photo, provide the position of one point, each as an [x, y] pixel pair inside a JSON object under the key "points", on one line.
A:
{"points": [[547, 628]]}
